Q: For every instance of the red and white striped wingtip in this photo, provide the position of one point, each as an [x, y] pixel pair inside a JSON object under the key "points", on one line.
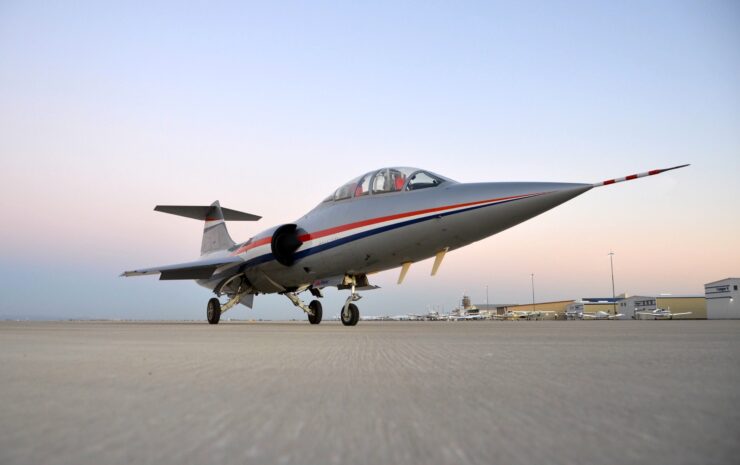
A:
{"points": [[635, 176]]}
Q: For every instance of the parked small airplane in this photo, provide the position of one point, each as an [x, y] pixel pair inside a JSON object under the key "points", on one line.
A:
{"points": [[574, 314], [600, 315], [384, 219], [659, 314], [515, 315]]}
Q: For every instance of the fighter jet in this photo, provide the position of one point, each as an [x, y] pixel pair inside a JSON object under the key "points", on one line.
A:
{"points": [[384, 219]]}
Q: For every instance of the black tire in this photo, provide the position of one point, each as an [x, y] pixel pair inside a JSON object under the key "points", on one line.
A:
{"points": [[213, 311], [356, 314], [315, 319], [352, 317]]}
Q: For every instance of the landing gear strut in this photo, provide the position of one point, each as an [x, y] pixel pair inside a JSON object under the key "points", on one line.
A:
{"points": [[350, 313], [215, 309], [313, 310]]}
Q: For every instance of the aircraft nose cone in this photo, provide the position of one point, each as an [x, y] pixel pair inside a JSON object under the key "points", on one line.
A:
{"points": [[494, 207], [546, 192]]}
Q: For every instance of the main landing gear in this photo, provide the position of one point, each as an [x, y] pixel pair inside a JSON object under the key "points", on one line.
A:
{"points": [[215, 309], [315, 319], [313, 310], [349, 315]]}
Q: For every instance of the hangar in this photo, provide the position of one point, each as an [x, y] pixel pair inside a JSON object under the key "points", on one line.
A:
{"points": [[696, 304], [631, 306], [722, 298]]}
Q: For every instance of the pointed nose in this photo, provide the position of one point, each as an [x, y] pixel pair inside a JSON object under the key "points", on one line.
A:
{"points": [[546, 193], [494, 207]]}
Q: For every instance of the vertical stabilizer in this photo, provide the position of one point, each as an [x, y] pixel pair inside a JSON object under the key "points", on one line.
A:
{"points": [[215, 235]]}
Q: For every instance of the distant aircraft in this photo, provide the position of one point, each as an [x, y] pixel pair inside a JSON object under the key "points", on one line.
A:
{"points": [[574, 314], [384, 219], [542, 314], [659, 314], [515, 315], [600, 315]]}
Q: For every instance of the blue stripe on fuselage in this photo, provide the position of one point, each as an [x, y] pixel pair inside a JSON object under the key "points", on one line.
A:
{"points": [[344, 240]]}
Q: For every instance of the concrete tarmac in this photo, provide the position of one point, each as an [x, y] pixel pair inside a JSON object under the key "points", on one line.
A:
{"points": [[577, 392]]}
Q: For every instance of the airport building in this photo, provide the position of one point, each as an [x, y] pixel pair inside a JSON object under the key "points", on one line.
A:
{"points": [[629, 306], [489, 310], [719, 302], [696, 304], [721, 297]]}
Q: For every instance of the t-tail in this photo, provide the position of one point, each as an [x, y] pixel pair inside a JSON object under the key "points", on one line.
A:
{"points": [[215, 235]]}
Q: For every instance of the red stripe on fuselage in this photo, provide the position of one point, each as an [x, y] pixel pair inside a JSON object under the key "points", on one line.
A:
{"points": [[251, 245], [382, 219]]}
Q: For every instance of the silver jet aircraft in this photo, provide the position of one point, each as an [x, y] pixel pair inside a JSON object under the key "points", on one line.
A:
{"points": [[384, 219]]}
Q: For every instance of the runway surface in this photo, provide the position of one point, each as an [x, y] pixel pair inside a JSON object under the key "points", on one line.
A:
{"points": [[590, 392]]}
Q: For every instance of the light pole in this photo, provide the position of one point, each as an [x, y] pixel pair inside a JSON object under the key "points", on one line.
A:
{"points": [[534, 307], [614, 296]]}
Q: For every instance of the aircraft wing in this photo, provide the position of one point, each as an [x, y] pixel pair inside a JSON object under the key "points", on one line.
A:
{"points": [[680, 314], [586, 315], [200, 269]]}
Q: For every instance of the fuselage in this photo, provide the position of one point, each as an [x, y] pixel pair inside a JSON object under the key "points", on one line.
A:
{"points": [[366, 234]]}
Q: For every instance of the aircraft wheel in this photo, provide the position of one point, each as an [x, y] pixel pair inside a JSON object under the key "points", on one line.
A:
{"points": [[315, 319], [213, 311], [351, 316]]}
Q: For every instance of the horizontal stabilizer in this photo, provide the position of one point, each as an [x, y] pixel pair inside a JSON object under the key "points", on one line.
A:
{"points": [[201, 269], [200, 212]]}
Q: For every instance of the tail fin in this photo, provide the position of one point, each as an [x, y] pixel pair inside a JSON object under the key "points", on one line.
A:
{"points": [[215, 235]]}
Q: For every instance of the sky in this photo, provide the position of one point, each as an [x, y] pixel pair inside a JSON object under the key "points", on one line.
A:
{"points": [[108, 109]]}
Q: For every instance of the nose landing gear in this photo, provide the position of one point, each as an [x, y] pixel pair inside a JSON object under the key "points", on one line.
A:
{"points": [[350, 313]]}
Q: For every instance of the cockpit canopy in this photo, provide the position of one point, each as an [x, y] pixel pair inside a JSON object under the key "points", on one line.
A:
{"points": [[386, 180]]}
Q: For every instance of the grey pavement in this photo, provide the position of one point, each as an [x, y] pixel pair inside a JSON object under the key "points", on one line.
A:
{"points": [[580, 392]]}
